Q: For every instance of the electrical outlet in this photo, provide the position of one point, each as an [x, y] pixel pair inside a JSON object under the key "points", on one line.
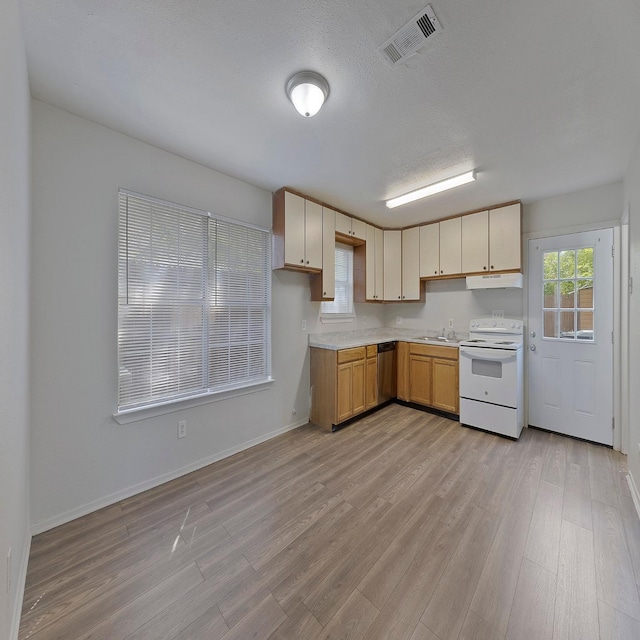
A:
{"points": [[398, 320], [304, 325], [182, 429], [497, 313], [8, 585], [294, 412], [450, 323]]}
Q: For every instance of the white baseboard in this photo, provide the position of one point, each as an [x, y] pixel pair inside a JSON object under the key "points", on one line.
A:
{"points": [[68, 516], [16, 612], [635, 495]]}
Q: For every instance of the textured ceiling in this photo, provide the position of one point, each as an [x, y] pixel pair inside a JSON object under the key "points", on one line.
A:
{"points": [[542, 98]]}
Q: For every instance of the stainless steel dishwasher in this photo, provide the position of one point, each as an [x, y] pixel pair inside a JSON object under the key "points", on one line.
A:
{"points": [[386, 371]]}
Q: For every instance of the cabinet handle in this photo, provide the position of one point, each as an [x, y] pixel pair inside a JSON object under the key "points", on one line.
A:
{"points": [[492, 266], [441, 271], [324, 293], [302, 261], [436, 272], [398, 297], [485, 268], [403, 297], [307, 262]]}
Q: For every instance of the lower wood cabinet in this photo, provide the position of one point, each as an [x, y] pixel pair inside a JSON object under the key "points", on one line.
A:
{"points": [[344, 384], [428, 375]]}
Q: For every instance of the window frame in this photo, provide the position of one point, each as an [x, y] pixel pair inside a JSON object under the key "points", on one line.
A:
{"points": [[327, 315], [131, 411]]}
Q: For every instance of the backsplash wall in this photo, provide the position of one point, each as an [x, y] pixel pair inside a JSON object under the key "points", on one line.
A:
{"points": [[451, 299]]}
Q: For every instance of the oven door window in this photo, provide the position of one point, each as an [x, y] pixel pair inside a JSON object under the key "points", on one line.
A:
{"points": [[486, 368]]}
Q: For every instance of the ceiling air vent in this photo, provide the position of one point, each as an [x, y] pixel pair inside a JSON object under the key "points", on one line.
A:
{"points": [[412, 37]]}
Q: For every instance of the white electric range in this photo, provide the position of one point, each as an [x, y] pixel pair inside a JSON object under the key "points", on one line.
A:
{"points": [[491, 376]]}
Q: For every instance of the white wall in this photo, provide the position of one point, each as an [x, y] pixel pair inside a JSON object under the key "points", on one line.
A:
{"points": [[632, 200], [588, 207], [14, 314], [82, 459]]}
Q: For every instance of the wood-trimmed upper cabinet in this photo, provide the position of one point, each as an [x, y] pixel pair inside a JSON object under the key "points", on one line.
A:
{"points": [[505, 239], [297, 232], [411, 285], [430, 250], [475, 242], [450, 247], [350, 227], [393, 266]]}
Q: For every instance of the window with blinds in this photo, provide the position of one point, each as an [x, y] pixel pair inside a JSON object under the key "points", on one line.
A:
{"points": [[342, 304], [194, 295]]}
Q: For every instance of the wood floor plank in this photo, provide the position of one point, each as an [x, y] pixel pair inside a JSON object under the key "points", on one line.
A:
{"points": [[615, 625], [555, 462], [543, 540], [533, 607], [576, 612], [300, 623], [494, 594], [475, 628], [601, 476], [351, 621], [576, 506], [615, 580], [260, 623], [422, 633], [631, 522], [446, 610]]}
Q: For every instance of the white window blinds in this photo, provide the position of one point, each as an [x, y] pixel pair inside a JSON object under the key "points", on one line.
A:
{"points": [[343, 300], [194, 303]]}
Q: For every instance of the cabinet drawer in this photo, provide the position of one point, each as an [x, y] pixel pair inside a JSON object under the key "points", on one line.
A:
{"points": [[348, 355], [435, 351], [372, 350]]}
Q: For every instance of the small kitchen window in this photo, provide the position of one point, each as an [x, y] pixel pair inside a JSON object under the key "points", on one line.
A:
{"points": [[341, 308], [568, 298]]}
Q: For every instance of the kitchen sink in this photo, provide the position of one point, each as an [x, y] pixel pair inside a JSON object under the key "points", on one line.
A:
{"points": [[437, 339]]}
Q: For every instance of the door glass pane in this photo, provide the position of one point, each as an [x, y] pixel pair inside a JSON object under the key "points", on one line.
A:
{"points": [[551, 324], [550, 263], [567, 324], [585, 262], [585, 294], [567, 264], [567, 297], [550, 295], [585, 325]]}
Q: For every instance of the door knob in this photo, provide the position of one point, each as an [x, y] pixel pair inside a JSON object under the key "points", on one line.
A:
{"points": [[532, 334], [532, 347]]}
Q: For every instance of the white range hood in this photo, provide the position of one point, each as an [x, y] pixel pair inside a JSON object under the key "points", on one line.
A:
{"points": [[495, 281]]}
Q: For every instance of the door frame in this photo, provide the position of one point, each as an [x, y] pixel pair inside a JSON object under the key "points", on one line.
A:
{"points": [[621, 431]]}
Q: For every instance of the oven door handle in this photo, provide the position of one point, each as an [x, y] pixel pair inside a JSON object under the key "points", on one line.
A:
{"points": [[480, 353]]}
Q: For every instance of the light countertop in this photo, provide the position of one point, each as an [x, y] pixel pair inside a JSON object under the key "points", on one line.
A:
{"points": [[336, 340]]}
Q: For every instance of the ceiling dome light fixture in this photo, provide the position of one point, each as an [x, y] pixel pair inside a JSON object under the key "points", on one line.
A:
{"points": [[307, 91]]}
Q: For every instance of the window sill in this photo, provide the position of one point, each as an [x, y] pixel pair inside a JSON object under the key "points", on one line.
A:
{"points": [[127, 416]]}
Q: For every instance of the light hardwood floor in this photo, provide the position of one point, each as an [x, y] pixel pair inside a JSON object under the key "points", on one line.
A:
{"points": [[402, 526]]}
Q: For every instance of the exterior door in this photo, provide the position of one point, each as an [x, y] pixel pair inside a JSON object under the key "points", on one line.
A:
{"points": [[570, 328]]}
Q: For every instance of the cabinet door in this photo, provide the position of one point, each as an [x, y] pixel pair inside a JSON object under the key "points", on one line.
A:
{"points": [[358, 387], [343, 224], [411, 264], [371, 263], [313, 235], [402, 364], [430, 250], [294, 229], [328, 253], [445, 385], [372, 383], [475, 242], [450, 247], [420, 372], [379, 266], [358, 229], [393, 265], [344, 403], [505, 241]]}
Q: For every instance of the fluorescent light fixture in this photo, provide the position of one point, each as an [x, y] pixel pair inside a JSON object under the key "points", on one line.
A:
{"points": [[437, 187], [307, 90]]}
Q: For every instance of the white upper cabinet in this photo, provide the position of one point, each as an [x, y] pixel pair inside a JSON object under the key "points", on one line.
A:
{"points": [[411, 264], [312, 233], [450, 247], [351, 227], [328, 253], [393, 266], [475, 242], [430, 250], [374, 264], [505, 240]]}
